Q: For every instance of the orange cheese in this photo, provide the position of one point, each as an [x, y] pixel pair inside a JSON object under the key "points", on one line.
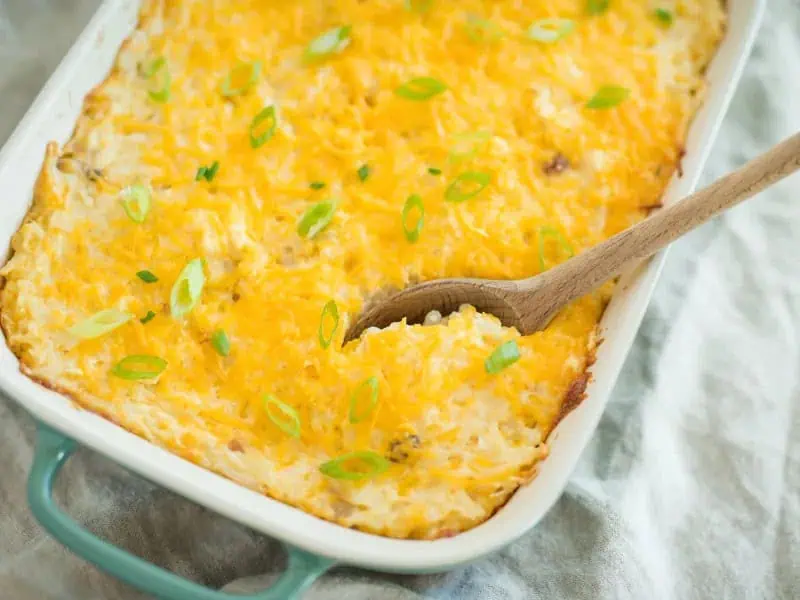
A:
{"points": [[459, 440]]}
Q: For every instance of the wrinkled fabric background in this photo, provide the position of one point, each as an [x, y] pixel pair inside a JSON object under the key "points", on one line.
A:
{"points": [[690, 488]]}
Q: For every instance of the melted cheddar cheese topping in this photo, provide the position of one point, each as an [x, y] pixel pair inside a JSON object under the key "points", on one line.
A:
{"points": [[453, 440]]}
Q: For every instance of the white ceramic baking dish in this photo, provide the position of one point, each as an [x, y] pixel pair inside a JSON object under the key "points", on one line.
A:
{"points": [[314, 545]]}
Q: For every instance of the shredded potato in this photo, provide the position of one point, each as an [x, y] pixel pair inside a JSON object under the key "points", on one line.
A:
{"points": [[448, 442]]}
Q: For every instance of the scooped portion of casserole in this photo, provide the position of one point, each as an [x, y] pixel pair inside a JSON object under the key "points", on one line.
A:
{"points": [[252, 172]]}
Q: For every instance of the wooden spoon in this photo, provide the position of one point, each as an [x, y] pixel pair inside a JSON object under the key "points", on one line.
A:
{"points": [[530, 304]]}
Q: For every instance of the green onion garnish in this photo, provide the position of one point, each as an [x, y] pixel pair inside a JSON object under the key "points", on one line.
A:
{"points": [[330, 313], [317, 185], [420, 88], [331, 42], [503, 356], [366, 464], [221, 343], [466, 186], [284, 416], [268, 114], [467, 144], [153, 66], [368, 386], [187, 288], [434, 171], [412, 232], [158, 71], [146, 276], [550, 30], [553, 233], [139, 366], [316, 218], [148, 317], [420, 6], [608, 96], [241, 79], [481, 30], [664, 16], [363, 172], [207, 173], [100, 323], [135, 201], [597, 7]]}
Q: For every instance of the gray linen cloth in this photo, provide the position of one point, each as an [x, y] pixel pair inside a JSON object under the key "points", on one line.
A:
{"points": [[690, 488]]}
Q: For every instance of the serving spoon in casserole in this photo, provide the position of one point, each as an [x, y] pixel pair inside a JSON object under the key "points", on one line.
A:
{"points": [[530, 304]]}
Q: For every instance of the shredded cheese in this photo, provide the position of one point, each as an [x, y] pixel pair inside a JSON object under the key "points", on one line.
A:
{"points": [[460, 440]]}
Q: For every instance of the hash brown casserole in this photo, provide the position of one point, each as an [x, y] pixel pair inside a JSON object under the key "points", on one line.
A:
{"points": [[251, 172]]}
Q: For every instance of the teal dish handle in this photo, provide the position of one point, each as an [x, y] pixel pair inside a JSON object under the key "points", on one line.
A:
{"points": [[52, 451]]}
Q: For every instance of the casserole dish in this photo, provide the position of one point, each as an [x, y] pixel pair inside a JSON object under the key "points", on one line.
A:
{"points": [[305, 531]]}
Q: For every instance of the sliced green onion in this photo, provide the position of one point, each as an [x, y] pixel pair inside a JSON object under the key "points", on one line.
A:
{"points": [[413, 202], [317, 185], [550, 30], [467, 144], [153, 66], [608, 96], [146, 276], [135, 201], [434, 171], [420, 6], [597, 7], [99, 324], [367, 464], [221, 343], [158, 71], [211, 172], [268, 114], [139, 366], [420, 88], [369, 385], [553, 233], [241, 79], [332, 41], [207, 173], [466, 186], [330, 312], [148, 317], [316, 218], [363, 172], [187, 288], [503, 356], [481, 30], [664, 16], [284, 416]]}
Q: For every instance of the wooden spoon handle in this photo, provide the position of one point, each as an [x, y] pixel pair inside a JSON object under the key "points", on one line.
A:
{"points": [[585, 272]]}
